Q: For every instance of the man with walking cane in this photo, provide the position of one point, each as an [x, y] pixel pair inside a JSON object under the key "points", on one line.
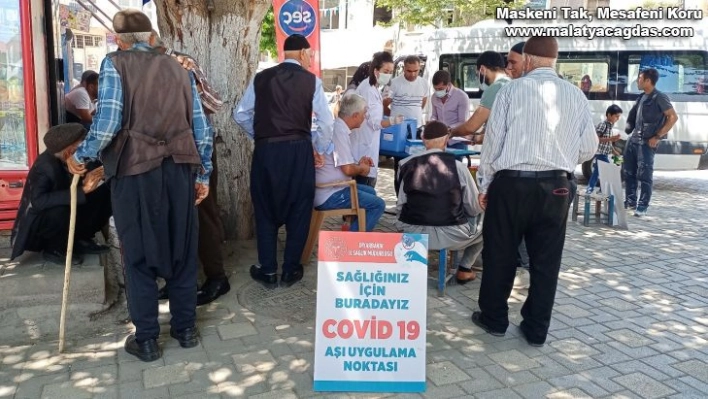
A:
{"points": [[157, 155]]}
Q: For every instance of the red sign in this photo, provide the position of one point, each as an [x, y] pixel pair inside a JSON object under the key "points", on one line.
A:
{"points": [[298, 17]]}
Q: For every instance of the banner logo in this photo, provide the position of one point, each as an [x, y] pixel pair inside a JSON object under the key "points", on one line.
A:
{"points": [[297, 17]]}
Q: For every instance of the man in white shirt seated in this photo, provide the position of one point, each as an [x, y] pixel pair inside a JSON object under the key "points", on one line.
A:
{"points": [[79, 101], [340, 165], [408, 92], [438, 197]]}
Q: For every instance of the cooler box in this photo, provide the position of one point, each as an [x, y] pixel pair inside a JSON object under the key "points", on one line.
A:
{"points": [[458, 146], [393, 138], [414, 147]]}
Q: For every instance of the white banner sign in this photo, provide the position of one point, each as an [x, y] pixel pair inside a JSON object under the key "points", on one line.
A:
{"points": [[371, 312]]}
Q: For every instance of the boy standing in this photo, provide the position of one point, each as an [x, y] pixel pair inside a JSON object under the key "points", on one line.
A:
{"points": [[604, 134]]}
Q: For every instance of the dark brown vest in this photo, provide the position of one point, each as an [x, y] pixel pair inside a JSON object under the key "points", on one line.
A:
{"points": [[433, 191], [157, 115]]}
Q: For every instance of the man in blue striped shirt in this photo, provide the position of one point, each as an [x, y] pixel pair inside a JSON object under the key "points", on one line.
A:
{"points": [[157, 155], [539, 130]]}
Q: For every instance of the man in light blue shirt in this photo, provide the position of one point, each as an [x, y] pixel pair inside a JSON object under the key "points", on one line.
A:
{"points": [[276, 112]]}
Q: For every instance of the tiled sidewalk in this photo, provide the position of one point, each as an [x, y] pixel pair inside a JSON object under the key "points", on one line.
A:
{"points": [[630, 321]]}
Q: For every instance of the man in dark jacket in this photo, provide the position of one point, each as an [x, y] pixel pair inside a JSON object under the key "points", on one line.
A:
{"points": [[42, 223], [648, 122]]}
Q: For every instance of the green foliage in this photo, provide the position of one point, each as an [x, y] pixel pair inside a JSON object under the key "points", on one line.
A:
{"points": [[439, 12], [268, 43]]}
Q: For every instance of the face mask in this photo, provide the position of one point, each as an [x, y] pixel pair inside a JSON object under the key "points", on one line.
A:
{"points": [[384, 78], [482, 82], [440, 93]]}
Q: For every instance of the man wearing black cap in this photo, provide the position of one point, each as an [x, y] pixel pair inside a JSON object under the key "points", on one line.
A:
{"points": [[438, 197], [42, 222], [158, 157], [276, 111], [539, 130], [514, 67]]}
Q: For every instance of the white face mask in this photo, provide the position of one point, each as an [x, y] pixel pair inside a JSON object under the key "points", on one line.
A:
{"points": [[482, 81], [384, 78], [440, 93]]}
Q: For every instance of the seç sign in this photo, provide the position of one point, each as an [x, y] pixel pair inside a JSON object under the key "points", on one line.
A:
{"points": [[298, 17]]}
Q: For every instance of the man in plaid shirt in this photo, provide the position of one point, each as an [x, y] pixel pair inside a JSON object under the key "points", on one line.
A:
{"points": [[604, 134]]}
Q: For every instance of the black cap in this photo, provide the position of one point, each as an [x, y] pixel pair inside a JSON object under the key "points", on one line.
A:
{"points": [[296, 42], [61, 136], [518, 48], [491, 59]]}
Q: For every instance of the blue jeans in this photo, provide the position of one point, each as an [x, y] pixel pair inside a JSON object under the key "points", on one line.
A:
{"points": [[368, 200], [595, 173], [638, 170]]}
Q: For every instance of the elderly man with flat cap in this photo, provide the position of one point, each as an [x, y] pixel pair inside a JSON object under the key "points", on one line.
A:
{"points": [[157, 155], [276, 112], [42, 223], [539, 130], [438, 197]]}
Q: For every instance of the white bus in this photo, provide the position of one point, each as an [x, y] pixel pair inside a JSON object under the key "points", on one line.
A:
{"points": [[611, 64]]}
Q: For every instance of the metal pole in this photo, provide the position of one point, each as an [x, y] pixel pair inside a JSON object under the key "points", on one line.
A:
{"points": [[115, 5], [94, 15], [99, 10]]}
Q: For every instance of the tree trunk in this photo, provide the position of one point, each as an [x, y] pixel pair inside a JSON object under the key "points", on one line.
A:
{"points": [[223, 36]]}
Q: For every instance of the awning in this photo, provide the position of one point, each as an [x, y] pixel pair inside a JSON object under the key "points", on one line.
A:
{"points": [[336, 50]]}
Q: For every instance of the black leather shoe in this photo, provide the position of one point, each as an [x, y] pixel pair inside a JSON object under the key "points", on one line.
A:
{"points": [[476, 319], [163, 294], [187, 338], [211, 290], [269, 280], [533, 342], [147, 351], [89, 247], [291, 277], [59, 258]]}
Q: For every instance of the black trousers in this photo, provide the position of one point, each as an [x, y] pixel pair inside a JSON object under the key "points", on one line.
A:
{"points": [[283, 193], [157, 225], [53, 223], [211, 230], [537, 209]]}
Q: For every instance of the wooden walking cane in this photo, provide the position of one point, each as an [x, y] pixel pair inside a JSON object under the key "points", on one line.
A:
{"points": [[69, 258]]}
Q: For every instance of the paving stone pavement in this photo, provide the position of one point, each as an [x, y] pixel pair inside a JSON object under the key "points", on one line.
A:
{"points": [[630, 321]]}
